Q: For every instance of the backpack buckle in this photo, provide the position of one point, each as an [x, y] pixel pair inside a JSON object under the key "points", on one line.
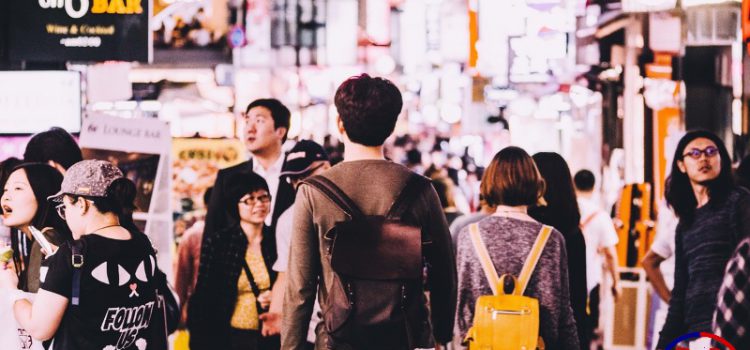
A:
{"points": [[77, 260]]}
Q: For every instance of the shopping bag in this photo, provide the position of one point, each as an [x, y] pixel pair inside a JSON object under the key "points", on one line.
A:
{"points": [[12, 336]]}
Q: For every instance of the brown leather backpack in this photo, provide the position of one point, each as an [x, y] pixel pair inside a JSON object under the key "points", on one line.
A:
{"points": [[377, 298]]}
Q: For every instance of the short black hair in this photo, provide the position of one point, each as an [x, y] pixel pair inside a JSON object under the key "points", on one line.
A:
{"points": [[240, 184], [368, 108], [280, 114], [56, 145], [584, 180]]}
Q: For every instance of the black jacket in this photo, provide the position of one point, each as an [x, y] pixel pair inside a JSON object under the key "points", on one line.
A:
{"points": [[212, 303], [217, 218]]}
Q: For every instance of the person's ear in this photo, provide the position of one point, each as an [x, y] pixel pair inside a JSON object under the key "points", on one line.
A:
{"points": [[83, 204], [281, 132], [57, 166], [340, 125], [681, 166]]}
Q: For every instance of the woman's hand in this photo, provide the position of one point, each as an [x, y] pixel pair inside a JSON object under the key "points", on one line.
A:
{"points": [[8, 277], [265, 299]]}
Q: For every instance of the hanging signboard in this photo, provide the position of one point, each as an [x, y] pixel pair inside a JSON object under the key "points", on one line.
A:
{"points": [[141, 149], [32, 101], [79, 30]]}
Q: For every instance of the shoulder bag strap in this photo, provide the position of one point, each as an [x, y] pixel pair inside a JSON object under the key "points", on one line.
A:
{"points": [[533, 258], [589, 219], [334, 193], [408, 195], [484, 258], [76, 257]]}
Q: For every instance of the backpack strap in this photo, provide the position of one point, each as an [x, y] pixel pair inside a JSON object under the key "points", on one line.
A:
{"points": [[76, 249], [484, 258], [335, 194], [533, 258], [585, 222], [408, 195]]}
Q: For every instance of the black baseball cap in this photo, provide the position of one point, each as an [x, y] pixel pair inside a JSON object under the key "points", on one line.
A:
{"points": [[301, 158]]}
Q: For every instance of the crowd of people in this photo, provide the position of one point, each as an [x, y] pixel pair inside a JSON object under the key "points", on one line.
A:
{"points": [[300, 251]]}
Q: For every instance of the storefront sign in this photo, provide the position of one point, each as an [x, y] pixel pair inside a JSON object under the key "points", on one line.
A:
{"points": [[79, 30], [32, 101]]}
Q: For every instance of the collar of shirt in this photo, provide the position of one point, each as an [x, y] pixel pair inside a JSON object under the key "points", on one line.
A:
{"points": [[272, 178], [275, 168]]}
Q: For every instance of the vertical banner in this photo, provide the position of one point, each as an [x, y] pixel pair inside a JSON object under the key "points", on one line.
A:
{"points": [[141, 149]]}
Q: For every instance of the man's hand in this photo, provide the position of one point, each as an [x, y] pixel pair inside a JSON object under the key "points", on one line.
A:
{"points": [[271, 324], [616, 291]]}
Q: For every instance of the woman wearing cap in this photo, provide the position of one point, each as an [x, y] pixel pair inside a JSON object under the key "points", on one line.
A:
{"points": [[98, 292], [235, 275], [24, 203]]}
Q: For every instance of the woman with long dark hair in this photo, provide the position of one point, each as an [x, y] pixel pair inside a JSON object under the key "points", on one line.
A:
{"points": [[235, 275], [512, 184], [714, 217], [100, 291], [25, 204], [561, 212]]}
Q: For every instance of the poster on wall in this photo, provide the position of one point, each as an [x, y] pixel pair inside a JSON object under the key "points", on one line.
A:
{"points": [[79, 30], [195, 163], [141, 150]]}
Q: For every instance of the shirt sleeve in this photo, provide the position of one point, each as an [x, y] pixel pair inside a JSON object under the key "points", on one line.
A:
{"points": [[442, 272], [184, 274], [732, 315], [302, 274], [675, 324], [609, 236], [664, 241], [56, 273], [283, 240]]}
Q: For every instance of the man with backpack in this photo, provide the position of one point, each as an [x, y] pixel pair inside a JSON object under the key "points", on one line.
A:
{"points": [[370, 238]]}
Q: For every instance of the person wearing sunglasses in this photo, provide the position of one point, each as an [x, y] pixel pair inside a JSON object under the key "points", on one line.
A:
{"points": [[24, 203], [714, 216], [235, 275]]}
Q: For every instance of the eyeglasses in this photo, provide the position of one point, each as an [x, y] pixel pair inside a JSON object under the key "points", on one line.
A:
{"points": [[250, 200], [61, 210], [695, 153]]}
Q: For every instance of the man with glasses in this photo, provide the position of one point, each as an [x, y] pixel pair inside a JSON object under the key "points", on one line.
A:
{"points": [[266, 123]]}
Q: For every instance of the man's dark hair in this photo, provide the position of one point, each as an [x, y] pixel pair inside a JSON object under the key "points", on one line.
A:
{"points": [[56, 145], [679, 192], [280, 114], [584, 180], [368, 108]]}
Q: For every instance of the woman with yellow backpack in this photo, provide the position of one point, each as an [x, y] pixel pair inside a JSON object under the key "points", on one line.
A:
{"points": [[513, 288]]}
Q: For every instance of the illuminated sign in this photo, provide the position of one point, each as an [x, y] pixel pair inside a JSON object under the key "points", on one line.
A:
{"points": [[79, 30], [34, 101]]}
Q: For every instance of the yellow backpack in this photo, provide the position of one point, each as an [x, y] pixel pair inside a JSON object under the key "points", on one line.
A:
{"points": [[506, 321]]}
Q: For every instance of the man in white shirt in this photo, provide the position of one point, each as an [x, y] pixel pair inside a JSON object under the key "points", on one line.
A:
{"points": [[601, 239], [659, 266], [266, 122]]}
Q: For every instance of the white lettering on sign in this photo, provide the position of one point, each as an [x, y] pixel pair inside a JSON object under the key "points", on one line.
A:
{"points": [[68, 4], [121, 7]]}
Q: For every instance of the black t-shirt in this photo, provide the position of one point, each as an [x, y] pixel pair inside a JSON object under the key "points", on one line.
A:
{"points": [[117, 295]]}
